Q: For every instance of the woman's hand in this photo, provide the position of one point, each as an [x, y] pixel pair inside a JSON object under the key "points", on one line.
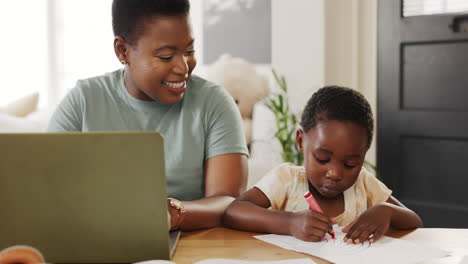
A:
{"points": [[309, 225], [371, 225]]}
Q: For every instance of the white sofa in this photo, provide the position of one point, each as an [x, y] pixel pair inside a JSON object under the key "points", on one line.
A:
{"points": [[22, 117], [35, 122], [265, 149]]}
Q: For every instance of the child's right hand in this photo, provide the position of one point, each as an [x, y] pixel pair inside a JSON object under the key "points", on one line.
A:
{"points": [[309, 225]]}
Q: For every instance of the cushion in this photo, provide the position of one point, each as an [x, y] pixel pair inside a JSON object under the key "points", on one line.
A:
{"points": [[23, 106]]}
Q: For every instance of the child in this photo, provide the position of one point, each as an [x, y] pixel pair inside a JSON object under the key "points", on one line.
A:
{"points": [[337, 127]]}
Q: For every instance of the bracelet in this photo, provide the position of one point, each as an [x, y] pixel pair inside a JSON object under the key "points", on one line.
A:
{"points": [[176, 204]]}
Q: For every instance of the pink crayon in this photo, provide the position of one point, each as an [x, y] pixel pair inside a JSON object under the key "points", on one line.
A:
{"points": [[316, 207]]}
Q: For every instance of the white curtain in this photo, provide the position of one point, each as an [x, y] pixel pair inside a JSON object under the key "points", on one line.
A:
{"points": [[23, 45]]}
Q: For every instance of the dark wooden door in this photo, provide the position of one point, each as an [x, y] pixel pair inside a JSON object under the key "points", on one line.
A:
{"points": [[422, 112]]}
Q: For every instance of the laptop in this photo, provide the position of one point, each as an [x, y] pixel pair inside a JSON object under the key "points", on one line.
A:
{"points": [[85, 197]]}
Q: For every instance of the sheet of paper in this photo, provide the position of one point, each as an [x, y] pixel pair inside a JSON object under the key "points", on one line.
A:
{"points": [[155, 261], [464, 260], [234, 261], [385, 250]]}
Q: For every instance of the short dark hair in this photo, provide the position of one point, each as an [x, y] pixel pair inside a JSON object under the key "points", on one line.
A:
{"points": [[127, 15], [338, 103]]}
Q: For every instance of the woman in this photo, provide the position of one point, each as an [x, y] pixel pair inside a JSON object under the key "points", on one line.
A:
{"points": [[206, 154]]}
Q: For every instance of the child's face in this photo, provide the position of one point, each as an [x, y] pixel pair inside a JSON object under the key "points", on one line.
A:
{"points": [[334, 152], [161, 60]]}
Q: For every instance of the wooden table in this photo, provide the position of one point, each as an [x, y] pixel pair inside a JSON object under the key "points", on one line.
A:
{"points": [[228, 243]]}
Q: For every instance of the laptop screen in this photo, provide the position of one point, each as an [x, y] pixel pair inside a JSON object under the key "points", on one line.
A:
{"points": [[85, 197]]}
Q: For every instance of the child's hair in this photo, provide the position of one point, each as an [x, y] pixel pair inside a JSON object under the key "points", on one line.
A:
{"points": [[338, 103], [127, 15]]}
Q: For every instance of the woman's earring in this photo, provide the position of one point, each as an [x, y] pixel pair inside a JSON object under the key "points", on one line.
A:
{"points": [[123, 62]]}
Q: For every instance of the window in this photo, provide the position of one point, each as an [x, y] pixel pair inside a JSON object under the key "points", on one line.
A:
{"points": [[83, 39], [23, 67], [48, 45], [430, 7]]}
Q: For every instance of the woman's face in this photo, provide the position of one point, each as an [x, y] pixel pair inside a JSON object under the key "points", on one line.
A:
{"points": [[161, 60], [334, 152]]}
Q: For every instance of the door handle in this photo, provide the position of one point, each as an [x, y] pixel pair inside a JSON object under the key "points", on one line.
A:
{"points": [[460, 24]]}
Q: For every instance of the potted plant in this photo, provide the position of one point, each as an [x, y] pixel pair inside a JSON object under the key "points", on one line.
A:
{"points": [[286, 122]]}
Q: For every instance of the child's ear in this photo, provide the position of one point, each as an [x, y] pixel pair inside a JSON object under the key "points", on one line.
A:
{"points": [[121, 49], [300, 140]]}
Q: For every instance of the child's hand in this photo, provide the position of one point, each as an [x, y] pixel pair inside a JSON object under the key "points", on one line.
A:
{"points": [[371, 225], [309, 225], [21, 255]]}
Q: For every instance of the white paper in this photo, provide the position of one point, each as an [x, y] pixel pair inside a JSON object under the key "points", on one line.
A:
{"points": [[235, 261], [385, 250], [464, 260], [155, 261]]}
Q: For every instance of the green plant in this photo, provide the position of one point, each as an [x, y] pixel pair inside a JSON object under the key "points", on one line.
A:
{"points": [[286, 122]]}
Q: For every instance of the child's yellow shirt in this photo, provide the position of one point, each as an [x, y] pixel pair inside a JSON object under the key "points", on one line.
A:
{"points": [[286, 184]]}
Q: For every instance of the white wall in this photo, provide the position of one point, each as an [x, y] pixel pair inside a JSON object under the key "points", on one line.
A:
{"points": [[350, 50], [323, 42], [298, 47], [196, 16]]}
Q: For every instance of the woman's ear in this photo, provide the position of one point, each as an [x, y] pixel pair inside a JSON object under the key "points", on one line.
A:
{"points": [[300, 140], [121, 49]]}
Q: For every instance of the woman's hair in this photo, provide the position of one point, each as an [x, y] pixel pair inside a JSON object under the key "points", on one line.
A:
{"points": [[338, 103], [128, 15]]}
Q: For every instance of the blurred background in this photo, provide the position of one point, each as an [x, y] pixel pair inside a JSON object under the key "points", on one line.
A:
{"points": [[408, 58]]}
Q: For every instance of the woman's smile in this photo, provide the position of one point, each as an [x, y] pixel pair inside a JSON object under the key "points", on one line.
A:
{"points": [[175, 87]]}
